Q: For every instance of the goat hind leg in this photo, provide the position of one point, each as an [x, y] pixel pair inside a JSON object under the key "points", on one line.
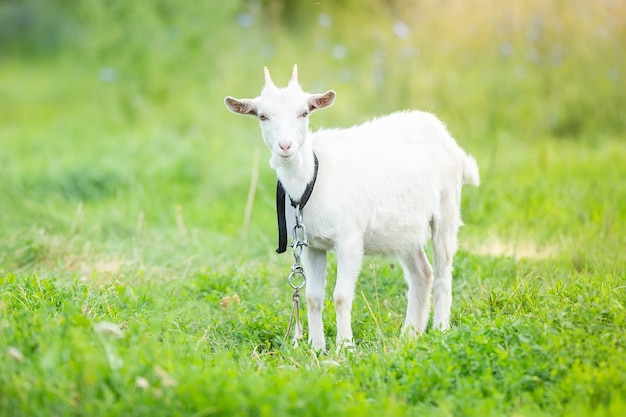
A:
{"points": [[419, 276], [444, 248]]}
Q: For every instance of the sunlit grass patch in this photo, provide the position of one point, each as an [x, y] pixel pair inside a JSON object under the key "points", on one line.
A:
{"points": [[495, 246]]}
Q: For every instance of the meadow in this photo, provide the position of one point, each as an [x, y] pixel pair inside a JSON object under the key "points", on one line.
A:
{"points": [[137, 229]]}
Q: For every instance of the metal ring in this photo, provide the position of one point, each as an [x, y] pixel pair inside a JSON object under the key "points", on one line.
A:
{"points": [[302, 233], [297, 250], [297, 271]]}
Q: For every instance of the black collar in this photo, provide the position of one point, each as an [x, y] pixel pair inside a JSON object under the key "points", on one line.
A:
{"points": [[280, 206]]}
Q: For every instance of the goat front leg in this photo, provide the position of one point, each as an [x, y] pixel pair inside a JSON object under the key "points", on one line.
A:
{"points": [[315, 270], [349, 259]]}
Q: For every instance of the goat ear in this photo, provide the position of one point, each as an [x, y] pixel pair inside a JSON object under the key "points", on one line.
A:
{"points": [[241, 106], [320, 101]]}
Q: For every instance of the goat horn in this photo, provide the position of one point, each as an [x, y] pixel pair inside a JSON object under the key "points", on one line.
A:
{"points": [[294, 74], [268, 78]]}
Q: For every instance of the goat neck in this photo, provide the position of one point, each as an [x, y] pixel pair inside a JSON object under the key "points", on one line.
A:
{"points": [[294, 174]]}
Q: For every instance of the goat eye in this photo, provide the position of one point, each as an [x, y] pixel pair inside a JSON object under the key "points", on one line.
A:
{"points": [[304, 114], [263, 118]]}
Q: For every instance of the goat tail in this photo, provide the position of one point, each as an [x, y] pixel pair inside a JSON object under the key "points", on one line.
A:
{"points": [[470, 170]]}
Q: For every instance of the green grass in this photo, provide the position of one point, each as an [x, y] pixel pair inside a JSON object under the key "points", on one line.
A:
{"points": [[526, 339], [129, 286]]}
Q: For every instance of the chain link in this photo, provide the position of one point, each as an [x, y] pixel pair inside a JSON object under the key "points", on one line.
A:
{"points": [[297, 279]]}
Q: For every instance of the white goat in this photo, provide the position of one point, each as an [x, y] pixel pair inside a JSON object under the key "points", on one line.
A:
{"points": [[383, 187]]}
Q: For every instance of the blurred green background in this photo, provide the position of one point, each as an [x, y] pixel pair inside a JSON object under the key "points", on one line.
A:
{"points": [[118, 155]]}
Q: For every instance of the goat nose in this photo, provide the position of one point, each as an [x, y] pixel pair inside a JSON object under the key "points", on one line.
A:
{"points": [[285, 146]]}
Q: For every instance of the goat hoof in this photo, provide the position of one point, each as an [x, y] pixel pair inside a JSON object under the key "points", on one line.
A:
{"points": [[346, 346]]}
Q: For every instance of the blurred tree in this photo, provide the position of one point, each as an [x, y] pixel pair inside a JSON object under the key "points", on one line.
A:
{"points": [[295, 12], [34, 26]]}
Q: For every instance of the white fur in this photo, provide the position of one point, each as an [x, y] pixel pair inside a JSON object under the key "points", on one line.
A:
{"points": [[383, 187]]}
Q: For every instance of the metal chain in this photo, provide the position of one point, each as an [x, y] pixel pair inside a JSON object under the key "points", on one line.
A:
{"points": [[297, 279]]}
